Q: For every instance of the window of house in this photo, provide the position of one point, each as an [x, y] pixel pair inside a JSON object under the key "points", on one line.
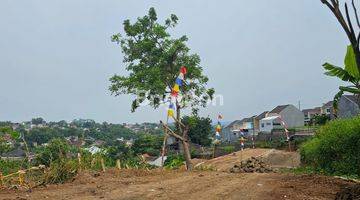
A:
{"points": [[268, 123], [328, 110], [262, 125]]}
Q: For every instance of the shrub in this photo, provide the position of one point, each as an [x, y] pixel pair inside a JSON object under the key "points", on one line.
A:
{"points": [[335, 149], [228, 149], [60, 171], [56, 150], [11, 166], [174, 161]]}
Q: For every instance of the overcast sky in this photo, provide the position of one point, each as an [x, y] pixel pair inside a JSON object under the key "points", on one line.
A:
{"points": [[56, 56]]}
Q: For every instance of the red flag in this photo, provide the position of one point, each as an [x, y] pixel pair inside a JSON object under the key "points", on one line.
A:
{"points": [[183, 70]]}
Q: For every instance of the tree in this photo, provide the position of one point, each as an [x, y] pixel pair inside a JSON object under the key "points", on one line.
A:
{"points": [[6, 134], [351, 71], [200, 129], [37, 121], [320, 119], [147, 144], [153, 59]]}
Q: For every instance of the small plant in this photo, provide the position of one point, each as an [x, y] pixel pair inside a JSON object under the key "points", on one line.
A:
{"points": [[174, 161], [205, 168]]}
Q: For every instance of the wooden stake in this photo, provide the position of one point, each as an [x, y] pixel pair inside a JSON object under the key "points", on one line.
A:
{"points": [[21, 177], [79, 160], [92, 162], [103, 164], [214, 150], [118, 166], [1, 180]]}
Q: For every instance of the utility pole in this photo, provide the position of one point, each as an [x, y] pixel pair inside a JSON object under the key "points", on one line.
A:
{"points": [[253, 136]]}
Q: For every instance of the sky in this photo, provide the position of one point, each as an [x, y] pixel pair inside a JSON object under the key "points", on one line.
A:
{"points": [[56, 56]]}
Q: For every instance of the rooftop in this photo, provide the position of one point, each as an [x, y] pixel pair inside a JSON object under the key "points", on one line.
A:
{"points": [[279, 108]]}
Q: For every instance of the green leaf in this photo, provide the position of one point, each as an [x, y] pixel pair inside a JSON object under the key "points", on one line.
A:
{"points": [[350, 63], [339, 72], [337, 99], [350, 89]]}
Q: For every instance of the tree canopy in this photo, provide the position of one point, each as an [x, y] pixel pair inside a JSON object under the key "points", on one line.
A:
{"points": [[200, 129], [153, 59]]}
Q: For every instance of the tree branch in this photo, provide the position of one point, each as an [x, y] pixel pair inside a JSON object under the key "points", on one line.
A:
{"points": [[356, 13], [352, 32], [171, 132]]}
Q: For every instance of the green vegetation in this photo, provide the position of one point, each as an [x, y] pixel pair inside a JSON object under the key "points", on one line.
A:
{"points": [[200, 129], [174, 161], [349, 73], [281, 143], [10, 166], [335, 148], [228, 149], [319, 120], [148, 144], [153, 59]]}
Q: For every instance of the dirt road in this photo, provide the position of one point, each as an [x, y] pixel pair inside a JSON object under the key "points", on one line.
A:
{"points": [[157, 184]]}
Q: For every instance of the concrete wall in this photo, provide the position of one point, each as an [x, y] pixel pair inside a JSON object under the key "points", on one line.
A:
{"points": [[268, 125], [228, 136], [292, 116]]}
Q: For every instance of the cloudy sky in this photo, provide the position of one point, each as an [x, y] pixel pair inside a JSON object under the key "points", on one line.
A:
{"points": [[56, 56]]}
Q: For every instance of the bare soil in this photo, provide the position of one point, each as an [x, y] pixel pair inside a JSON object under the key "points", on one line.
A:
{"points": [[179, 184]]}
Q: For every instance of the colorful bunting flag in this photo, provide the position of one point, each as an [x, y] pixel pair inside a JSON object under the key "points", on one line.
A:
{"points": [[175, 90], [171, 110]]}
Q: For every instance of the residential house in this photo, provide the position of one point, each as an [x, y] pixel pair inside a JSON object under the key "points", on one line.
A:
{"points": [[291, 116], [309, 114], [94, 149], [229, 133], [348, 106], [237, 128], [267, 124], [328, 110], [17, 154], [257, 121]]}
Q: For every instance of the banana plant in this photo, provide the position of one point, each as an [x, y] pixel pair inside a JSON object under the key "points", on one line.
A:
{"points": [[350, 73]]}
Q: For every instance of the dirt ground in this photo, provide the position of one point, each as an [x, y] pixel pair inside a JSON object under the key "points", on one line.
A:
{"points": [[167, 184]]}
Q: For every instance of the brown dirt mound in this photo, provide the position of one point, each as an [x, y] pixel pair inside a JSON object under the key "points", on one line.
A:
{"points": [[282, 159], [349, 193]]}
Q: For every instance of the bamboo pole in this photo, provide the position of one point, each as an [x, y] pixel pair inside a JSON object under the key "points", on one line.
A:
{"points": [[163, 149], [178, 121], [27, 152], [171, 132]]}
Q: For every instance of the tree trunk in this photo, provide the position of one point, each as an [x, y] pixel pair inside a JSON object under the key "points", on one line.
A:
{"points": [[186, 147]]}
